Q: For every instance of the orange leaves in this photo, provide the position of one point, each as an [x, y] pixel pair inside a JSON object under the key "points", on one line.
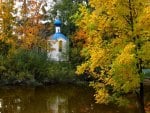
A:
{"points": [[80, 34], [6, 27], [28, 35], [30, 26]]}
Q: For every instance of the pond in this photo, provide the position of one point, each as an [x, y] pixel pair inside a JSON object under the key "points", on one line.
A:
{"points": [[55, 99]]}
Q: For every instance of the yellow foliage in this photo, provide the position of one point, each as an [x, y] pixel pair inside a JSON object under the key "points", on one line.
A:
{"points": [[102, 96], [127, 56], [112, 32], [6, 30], [81, 69]]}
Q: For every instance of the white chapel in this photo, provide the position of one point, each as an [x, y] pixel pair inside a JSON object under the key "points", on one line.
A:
{"points": [[58, 43]]}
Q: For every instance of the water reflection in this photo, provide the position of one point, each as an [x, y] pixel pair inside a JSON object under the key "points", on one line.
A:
{"points": [[57, 104], [54, 99], [1, 102], [147, 99]]}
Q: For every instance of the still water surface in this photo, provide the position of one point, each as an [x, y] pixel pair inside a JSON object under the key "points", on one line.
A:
{"points": [[55, 99]]}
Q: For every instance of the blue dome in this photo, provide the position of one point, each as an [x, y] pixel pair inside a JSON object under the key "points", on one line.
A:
{"points": [[57, 36], [57, 22]]}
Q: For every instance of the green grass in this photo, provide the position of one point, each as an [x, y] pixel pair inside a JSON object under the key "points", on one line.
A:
{"points": [[146, 73]]}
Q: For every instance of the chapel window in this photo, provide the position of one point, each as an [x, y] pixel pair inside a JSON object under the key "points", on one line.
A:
{"points": [[60, 46]]}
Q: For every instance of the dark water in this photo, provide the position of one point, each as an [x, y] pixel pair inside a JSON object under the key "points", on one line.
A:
{"points": [[55, 99]]}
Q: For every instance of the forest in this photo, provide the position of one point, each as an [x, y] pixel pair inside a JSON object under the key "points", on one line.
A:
{"points": [[109, 44]]}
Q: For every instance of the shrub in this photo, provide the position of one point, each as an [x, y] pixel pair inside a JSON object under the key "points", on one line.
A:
{"points": [[29, 65]]}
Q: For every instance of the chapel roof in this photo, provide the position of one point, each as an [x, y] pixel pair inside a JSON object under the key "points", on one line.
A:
{"points": [[57, 36], [57, 22]]}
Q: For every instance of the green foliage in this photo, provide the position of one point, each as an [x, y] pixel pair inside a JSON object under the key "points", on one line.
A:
{"points": [[27, 65], [60, 72], [21, 37], [4, 48], [144, 54], [65, 9]]}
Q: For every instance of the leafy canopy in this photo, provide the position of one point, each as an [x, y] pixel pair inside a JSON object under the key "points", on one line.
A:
{"points": [[116, 36]]}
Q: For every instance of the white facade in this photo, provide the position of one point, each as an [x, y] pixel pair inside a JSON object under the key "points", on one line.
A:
{"points": [[58, 44], [56, 52]]}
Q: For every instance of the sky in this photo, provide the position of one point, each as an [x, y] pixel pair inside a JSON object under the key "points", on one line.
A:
{"points": [[18, 6]]}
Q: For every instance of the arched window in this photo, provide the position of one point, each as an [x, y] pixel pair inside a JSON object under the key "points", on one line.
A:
{"points": [[60, 46]]}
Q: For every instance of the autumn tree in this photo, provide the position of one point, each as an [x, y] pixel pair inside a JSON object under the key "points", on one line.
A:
{"points": [[116, 35], [7, 21], [30, 25]]}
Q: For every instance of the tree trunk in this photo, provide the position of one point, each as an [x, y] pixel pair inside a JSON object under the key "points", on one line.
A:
{"points": [[141, 98]]}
